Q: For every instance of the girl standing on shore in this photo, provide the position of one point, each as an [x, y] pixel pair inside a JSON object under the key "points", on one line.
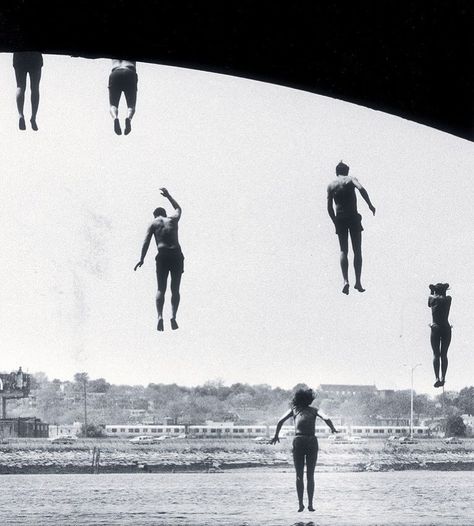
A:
{"points": [[305, 443]]}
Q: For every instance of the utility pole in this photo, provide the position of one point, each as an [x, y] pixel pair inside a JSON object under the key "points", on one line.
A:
{"points": [[85, 406], [412, 368]]}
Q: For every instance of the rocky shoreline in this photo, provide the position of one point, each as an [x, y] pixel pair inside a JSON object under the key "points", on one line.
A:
{"points": [[214, 458]]}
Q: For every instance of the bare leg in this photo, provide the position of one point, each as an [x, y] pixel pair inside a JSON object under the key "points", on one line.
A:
{"points": [[435, 345], [114, 100], [310, 467], [175, 296], [131, 97], [20, 96], [160, 296], [344, 246], [356, 239], [298, 461], [445, 342], [35, 77]]}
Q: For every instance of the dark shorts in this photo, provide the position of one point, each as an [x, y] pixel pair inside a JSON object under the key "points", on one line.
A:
{"points": [[304, 445], [123, 80], [27, 61], [441, 331], [169, 260], [352, 223]]}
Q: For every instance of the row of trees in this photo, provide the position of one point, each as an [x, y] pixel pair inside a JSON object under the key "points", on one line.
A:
{"points": [[63, 402]]}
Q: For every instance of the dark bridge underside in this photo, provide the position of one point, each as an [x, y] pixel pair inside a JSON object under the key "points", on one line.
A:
{"points": [[409, 58]]}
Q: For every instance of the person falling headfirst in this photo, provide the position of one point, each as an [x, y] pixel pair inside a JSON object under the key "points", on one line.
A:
{"points": [[305, 443], [27, 63], [440, 329], [347, 219], [123, 79], [169, 260]]}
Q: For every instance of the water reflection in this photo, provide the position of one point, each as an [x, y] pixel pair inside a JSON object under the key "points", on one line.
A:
{"points": [[311, 523]]}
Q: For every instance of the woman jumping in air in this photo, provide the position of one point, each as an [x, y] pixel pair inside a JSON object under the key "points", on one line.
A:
{"points": [[305, 443], [440, 329]]}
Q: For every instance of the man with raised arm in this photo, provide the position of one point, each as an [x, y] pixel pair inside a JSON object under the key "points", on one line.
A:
{"points": [[347, 219], [169, 260]]}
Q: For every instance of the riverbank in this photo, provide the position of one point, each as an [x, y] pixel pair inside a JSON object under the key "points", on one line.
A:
{"points": [[35, 456]]}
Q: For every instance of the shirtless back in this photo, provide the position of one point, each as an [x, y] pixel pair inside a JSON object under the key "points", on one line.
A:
{"points": [[165, 231], [342, 191], [305, 420]]}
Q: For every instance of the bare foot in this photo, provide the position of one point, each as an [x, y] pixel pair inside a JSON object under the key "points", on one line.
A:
{"points": [[310, 507], [21, 123], [174, 324], [345, 289], [160, 325], [359, 287], [117, 128], [128, 126], [34, 125], [301, 508]]}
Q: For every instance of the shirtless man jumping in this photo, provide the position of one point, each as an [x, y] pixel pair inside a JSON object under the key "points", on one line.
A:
{"points": [[123, 79], [347, 219], [169, 259]]}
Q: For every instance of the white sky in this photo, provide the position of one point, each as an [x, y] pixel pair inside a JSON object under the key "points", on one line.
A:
{"points": [[261, 294]]}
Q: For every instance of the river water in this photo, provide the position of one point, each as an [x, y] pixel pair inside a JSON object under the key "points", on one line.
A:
{"points": [[244, 498]]}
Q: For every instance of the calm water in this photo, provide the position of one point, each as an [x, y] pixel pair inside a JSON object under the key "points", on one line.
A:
{"points": [[264, 498]]}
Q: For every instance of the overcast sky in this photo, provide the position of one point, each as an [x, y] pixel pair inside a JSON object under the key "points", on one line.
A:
{"points": [[261, 294]]}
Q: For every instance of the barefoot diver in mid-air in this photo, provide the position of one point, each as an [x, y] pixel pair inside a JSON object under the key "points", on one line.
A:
{"points": [[170, 259], [305, 443], [440, 329], [27, 63], [347, 219], [123, 79]]}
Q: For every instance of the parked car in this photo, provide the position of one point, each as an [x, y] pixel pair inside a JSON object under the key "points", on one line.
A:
{"points": [[143, 439], [393, 439], [356, 439], [407, 440], [453, 440], [162, 437], [63, 439], [261, 439], [339, 439]]}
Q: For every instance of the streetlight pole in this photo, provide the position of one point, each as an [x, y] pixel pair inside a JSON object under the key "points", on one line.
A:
{"points": [[412, 368], [85, 407]]}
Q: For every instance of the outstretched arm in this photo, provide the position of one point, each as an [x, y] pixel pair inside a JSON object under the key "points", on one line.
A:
{"points": [[146, 244], [282, 420], [331, 213], [165, 193], [328, 422], [364, 194]]}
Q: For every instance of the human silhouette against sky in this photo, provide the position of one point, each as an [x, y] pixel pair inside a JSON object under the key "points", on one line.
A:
{"points": [[440, 329], [347, 220], [123, 79], [305, 443], [27, 63], [169, 260]]}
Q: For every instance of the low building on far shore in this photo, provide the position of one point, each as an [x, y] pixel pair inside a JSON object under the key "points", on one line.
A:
{"points": [[23, 427]]}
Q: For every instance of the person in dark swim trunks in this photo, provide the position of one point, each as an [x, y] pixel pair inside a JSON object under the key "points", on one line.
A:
{"points": [[123, 79], [27, 63], [169, 260], [305, 443], [347, 220], [440, 329]]}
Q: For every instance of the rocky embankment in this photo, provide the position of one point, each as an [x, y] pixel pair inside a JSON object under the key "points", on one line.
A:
{"points": [[122, 457]]}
